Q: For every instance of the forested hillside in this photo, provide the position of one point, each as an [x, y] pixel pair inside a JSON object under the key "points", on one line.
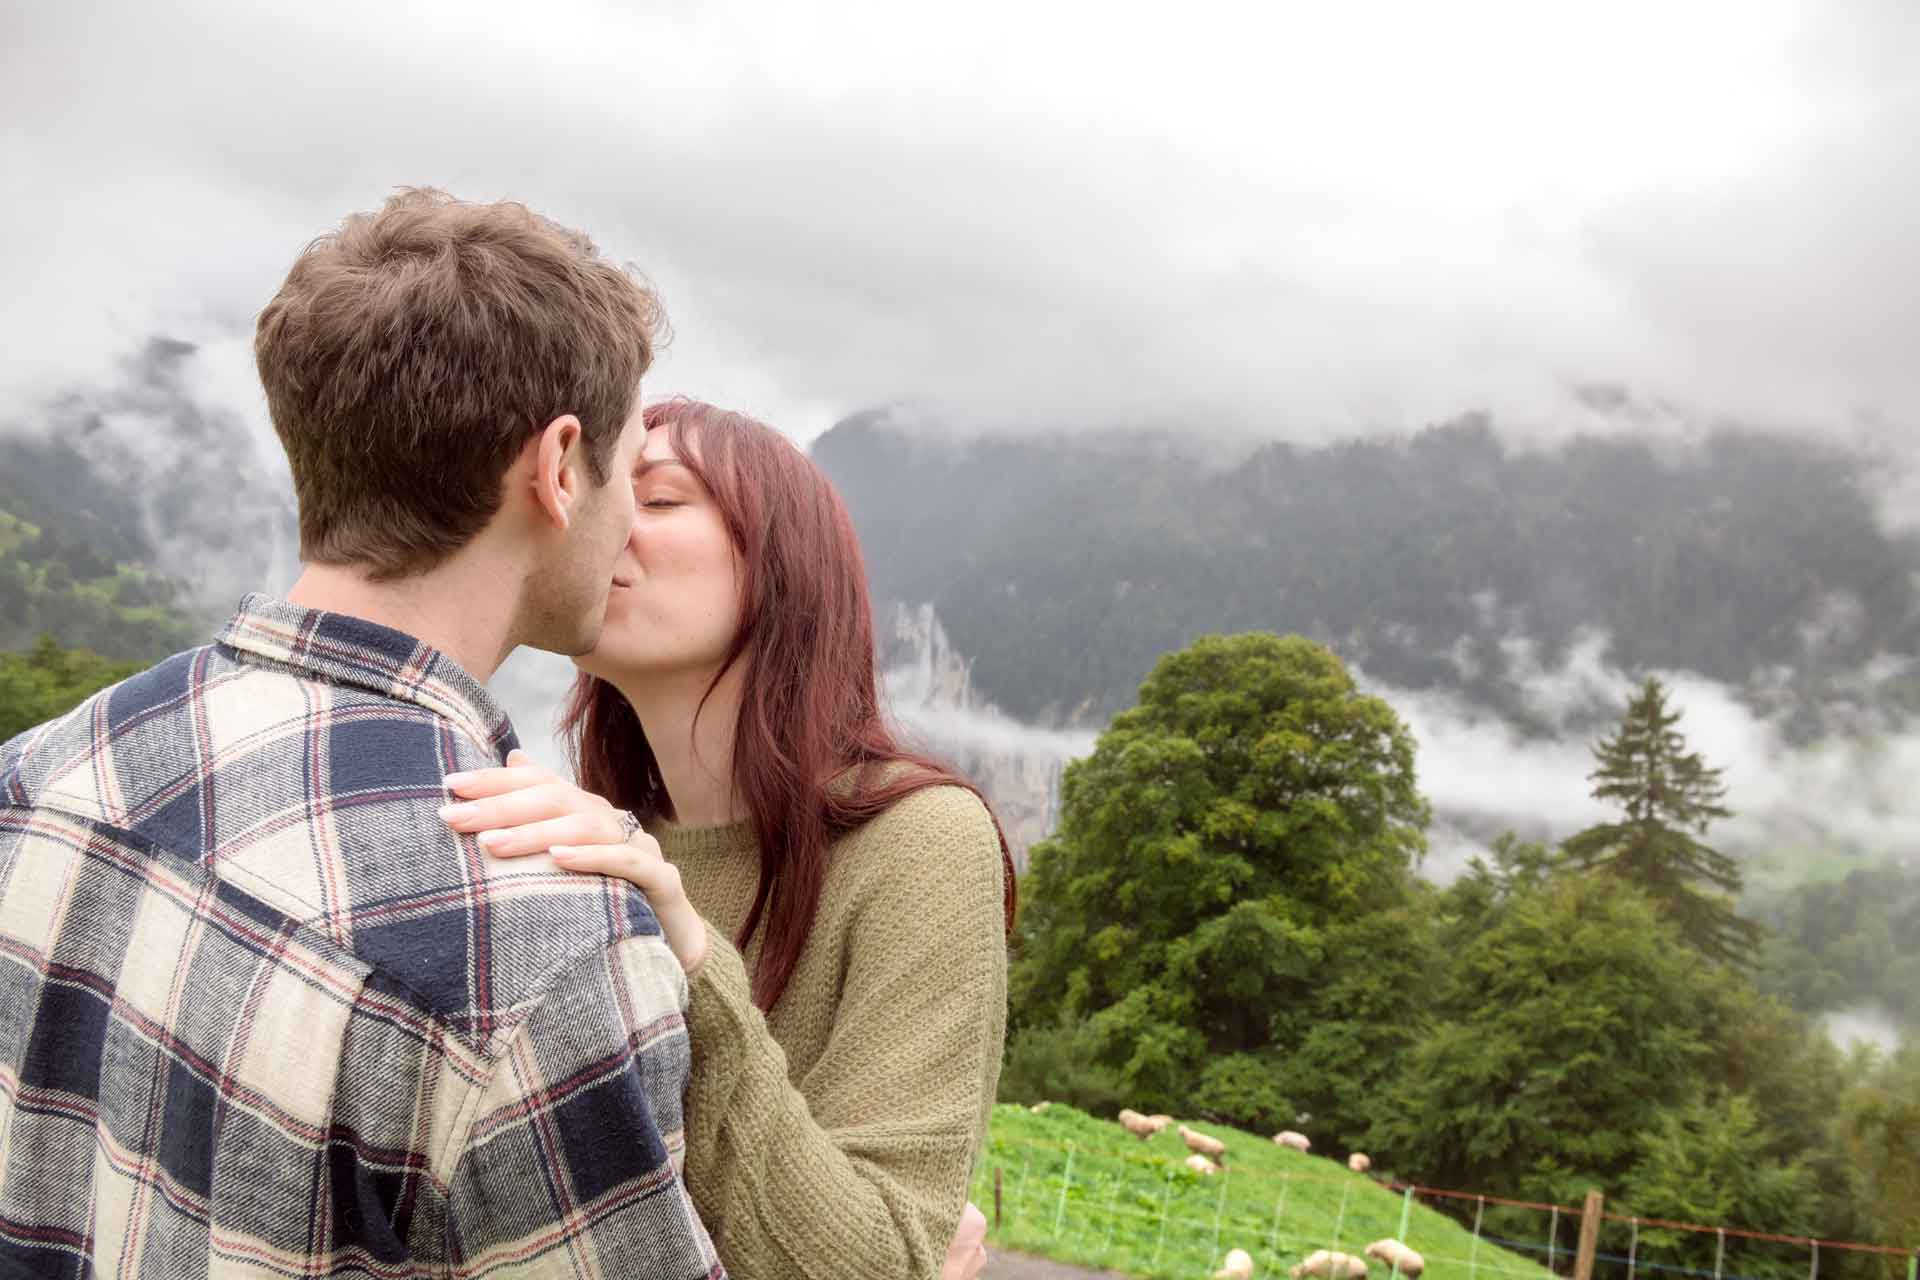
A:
{"points": [[74, 563], [1064, 566]]}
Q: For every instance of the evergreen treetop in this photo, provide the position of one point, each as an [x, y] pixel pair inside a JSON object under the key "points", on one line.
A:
{"points": [[1669, 797]]}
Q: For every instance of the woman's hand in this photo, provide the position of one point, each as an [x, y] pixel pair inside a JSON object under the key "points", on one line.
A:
{"points": [[525, 808], [967, 1255]]}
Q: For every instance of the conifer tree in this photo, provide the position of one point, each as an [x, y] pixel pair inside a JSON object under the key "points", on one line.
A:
{"points": [[1669, 797]]}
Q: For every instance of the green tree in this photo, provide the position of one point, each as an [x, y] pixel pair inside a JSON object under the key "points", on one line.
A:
{"points": [[1669, 797], [1881, 1126], [1371, 1008], [1564, 1024], [1178, 921], [1708, 1161], [48, 680]]}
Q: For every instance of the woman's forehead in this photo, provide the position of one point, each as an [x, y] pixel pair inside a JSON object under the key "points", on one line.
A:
{"points": [[659, 446]]}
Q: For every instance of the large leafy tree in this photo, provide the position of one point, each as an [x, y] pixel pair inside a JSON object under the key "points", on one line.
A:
{"points": [[1253, 801], [1669, 797], [1371, 1008]]}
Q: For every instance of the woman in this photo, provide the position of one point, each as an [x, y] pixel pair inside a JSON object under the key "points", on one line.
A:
{"points": [[839, 904]]}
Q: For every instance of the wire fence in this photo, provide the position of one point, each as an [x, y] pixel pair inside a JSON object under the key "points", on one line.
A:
{"points": [[1141, 1214], [1627, 1245]]}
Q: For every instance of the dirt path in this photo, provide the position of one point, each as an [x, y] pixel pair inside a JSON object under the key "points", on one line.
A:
{"points": [[1003, 1264]]}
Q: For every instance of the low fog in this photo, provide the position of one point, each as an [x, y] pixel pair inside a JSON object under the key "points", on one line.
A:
{"points": [[1850, 790]]}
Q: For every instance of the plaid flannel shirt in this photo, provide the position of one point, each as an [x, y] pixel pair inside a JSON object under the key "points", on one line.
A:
{"points": [[262, 1012]]}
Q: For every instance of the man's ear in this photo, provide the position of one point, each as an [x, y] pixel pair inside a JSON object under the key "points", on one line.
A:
{"points": [[559, 469]]}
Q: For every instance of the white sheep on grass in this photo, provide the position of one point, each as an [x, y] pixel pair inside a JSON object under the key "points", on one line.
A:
{"points": [[1199, 1142], [1391, 1251], [1331, 1266], [1239, 1266], [1298, 1141]]}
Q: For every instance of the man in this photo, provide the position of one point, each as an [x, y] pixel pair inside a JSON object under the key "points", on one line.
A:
{"points": [[260, 1010]]}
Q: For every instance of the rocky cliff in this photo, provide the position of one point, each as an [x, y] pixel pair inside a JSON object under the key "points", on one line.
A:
{"points": [[930, 687]]}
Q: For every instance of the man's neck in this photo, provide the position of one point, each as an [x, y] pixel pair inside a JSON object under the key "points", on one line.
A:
{"points": [[464, 608]]}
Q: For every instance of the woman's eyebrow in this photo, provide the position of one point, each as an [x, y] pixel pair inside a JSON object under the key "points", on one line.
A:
{"points": [[648, 464]]}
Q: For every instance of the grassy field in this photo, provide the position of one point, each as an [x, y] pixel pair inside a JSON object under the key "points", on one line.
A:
{"points": [[1133, 1206]]}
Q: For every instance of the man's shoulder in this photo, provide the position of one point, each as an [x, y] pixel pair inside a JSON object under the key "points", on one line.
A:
{"points": [[476, 941], [210, 750], [56, 762], [319, 803]]}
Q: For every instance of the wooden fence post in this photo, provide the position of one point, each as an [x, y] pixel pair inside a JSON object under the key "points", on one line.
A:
{"points": [[1589, 1236], [996, 1197]]}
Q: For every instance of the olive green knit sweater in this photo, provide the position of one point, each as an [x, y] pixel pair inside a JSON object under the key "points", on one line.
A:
{"points": [[834, 1137]]}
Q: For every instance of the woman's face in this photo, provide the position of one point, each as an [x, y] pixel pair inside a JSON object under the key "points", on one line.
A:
{"points": [[675, 604]]}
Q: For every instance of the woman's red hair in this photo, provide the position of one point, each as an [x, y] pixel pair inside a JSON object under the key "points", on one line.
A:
{"points": [[813, 756]]}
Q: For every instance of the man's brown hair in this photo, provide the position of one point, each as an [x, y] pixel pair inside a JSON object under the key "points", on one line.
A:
{"points": [[411, 355]]}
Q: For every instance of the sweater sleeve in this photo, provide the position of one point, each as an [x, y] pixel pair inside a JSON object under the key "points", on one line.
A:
{"points": [[861, 1170]]}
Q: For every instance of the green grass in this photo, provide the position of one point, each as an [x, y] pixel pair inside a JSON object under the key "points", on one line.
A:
{"points": [[1275, 1203]]}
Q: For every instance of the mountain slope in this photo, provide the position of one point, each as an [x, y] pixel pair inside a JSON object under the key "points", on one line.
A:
{"points": [[1064, 566]]}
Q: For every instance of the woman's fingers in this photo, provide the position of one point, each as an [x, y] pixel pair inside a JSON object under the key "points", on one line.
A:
{"points": [[572, 829], [967, 1255], [521, 771], [477, 784], [519, 808], [638, 865]]}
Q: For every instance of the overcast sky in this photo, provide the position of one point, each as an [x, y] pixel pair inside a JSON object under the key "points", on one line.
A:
{"points": [[1305, 219]]}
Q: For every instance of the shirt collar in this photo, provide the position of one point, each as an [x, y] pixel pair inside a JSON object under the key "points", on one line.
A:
{"points": [[353, 651]]}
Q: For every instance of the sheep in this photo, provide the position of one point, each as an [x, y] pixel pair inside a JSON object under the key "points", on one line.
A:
{"points": [[1159, 1122], [1136, 1124], [1200, 1142], [1239, 1266], [1298, 1141], [1039, 1108], [1391, 1251], [1203, 1166], [1358, 1162], [1331, 1266]]}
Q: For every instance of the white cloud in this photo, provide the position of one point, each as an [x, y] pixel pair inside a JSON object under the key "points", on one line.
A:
{"points": [[1315, 220]]}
